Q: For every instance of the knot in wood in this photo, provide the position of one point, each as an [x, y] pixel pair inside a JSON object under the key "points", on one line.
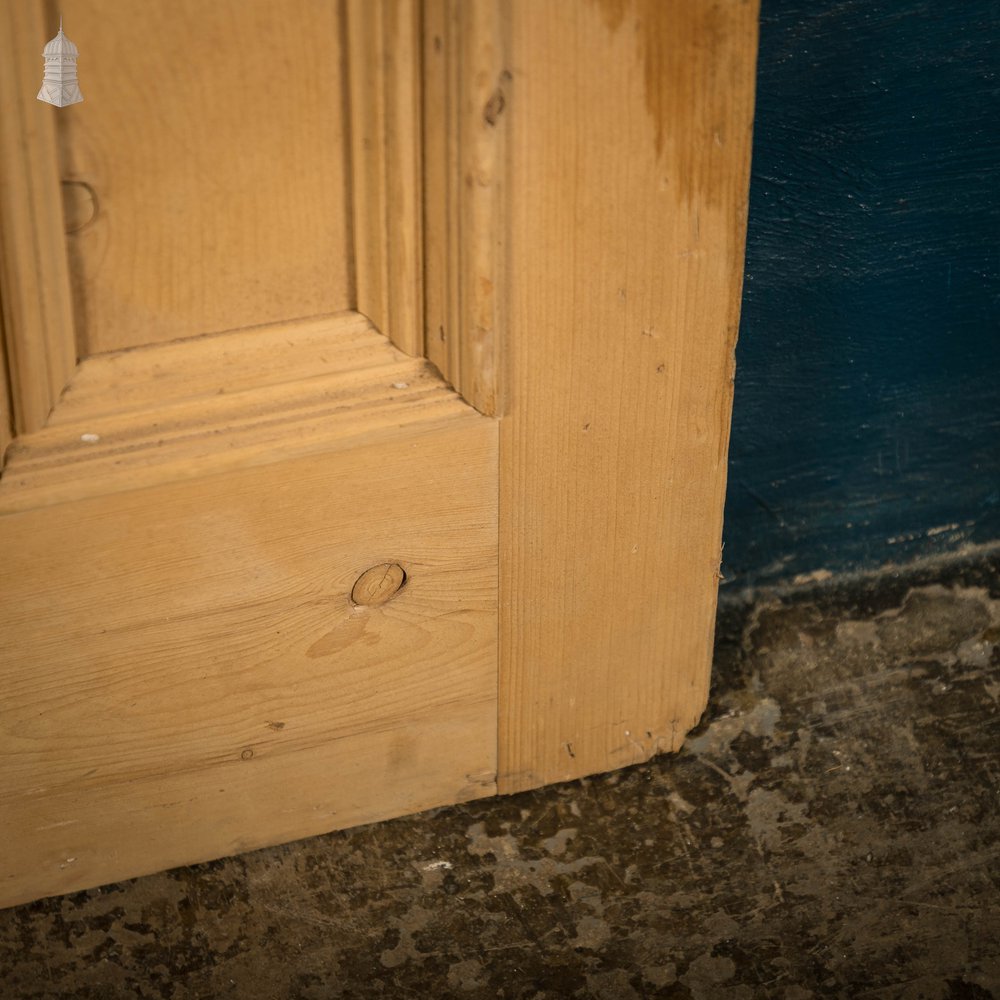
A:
{"points": [[379, 584]]}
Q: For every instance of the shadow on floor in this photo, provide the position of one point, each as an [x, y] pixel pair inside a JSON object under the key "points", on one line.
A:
{"points": [[831, 829]]}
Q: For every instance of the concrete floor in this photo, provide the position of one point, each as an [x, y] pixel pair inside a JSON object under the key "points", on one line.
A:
{"points": [[831, 830]]}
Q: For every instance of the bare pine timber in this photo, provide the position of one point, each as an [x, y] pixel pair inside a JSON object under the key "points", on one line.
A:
{"points": [[37, 322], [254, 583], [185, 672], [6, 414], [384, 86], [206, 169], [629, 128], [466, 90]]}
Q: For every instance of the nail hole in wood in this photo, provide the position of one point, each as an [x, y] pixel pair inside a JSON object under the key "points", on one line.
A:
{"points": [[377, 585]]}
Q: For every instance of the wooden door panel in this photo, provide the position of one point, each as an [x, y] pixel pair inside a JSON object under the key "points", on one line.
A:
{"points": [[187, 667], [194, 202], [546, 200]]}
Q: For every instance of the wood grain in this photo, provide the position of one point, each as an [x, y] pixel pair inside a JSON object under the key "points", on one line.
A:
{"points": [[629, 130], [198, 407], [185, 673], [35, 297], [211, 140], [466, 89], [384, 60], [6, 412]]}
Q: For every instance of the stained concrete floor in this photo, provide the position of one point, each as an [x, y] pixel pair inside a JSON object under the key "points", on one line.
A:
{"points": [[831, 830]]}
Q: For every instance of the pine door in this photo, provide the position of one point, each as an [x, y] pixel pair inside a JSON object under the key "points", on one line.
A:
{"points": [[368, 380]]}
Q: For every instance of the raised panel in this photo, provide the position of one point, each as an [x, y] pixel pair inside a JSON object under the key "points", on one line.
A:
{"points": [[206, 169], [190, 667]]}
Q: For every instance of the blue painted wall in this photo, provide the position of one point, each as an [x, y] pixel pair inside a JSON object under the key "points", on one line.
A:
{"points": [[866, 426]]}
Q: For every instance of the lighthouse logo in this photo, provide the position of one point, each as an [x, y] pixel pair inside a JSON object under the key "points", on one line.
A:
{"points": [[60, 85]]}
